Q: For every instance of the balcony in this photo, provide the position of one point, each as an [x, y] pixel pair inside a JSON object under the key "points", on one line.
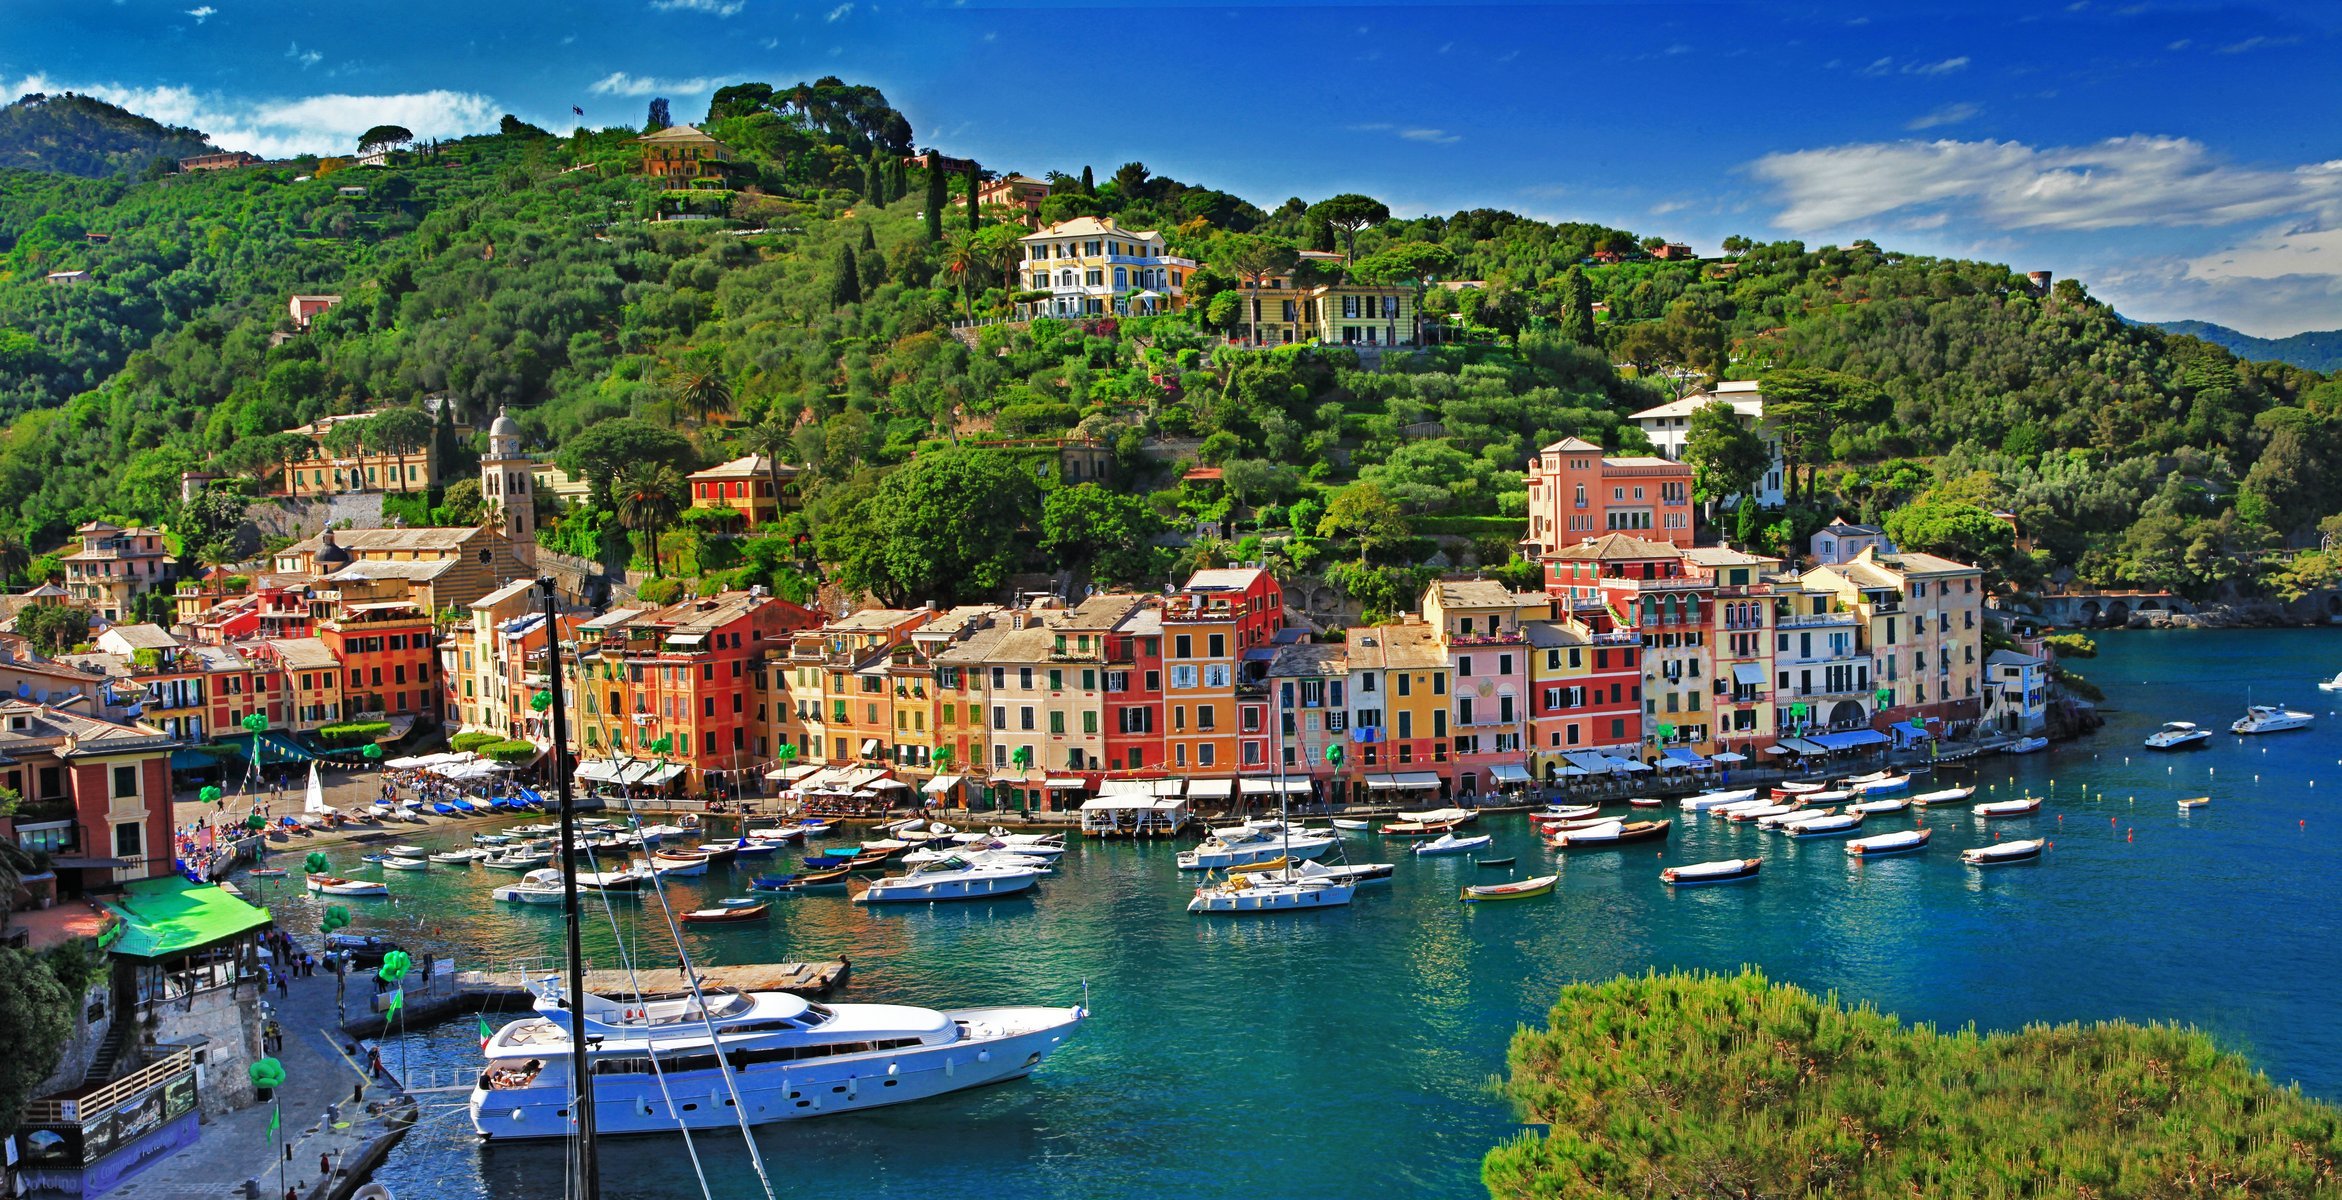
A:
{"points": [[1503, 637], [1812, 620]]}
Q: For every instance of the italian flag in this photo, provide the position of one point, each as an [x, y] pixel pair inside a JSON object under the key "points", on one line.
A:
{"points": [[485, 1033]]}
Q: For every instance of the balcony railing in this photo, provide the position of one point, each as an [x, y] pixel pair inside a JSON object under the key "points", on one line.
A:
{"points": [[68, 1110], [1808, 620]]}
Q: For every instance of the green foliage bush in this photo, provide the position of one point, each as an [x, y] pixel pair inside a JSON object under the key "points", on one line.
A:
{"points": [[348, 733], [1707, 1085], [471, 741]]}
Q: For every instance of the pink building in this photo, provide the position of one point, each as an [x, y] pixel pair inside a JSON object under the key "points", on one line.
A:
{"points": [[1577, 493]]}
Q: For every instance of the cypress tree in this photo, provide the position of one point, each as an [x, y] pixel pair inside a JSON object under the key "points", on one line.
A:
{"points": [[1089, 181], [898, 180], [935, 200], [873, 186], [846, 285], [869, 239], [973, 187], [1577, 307]]}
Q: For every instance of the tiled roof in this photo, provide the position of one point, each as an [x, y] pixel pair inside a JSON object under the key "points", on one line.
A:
{"points": [[1615, 546], [429, 537]]}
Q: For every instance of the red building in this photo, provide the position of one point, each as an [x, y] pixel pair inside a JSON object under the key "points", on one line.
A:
{"points": [[1577, 493], [387, 651], [686, 674], [1134, 692], [96, 794]]}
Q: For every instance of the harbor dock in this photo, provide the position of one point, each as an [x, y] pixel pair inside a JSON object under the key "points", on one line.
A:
{"points": [[488, 988]]}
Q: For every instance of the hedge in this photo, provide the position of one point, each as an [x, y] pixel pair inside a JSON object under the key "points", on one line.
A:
{"points": [[354, 731], [510, 750], [464, 743]]}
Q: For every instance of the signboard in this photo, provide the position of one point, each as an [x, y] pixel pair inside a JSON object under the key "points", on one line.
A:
{"points": [[101, 1134]]}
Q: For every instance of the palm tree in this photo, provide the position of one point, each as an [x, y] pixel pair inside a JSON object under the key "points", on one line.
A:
{"points": [[963, 260], [647, 497], [697, 385], [772, 437]]}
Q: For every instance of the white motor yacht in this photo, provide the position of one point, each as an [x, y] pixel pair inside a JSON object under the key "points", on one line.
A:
{"points": [[980, 856], [2331, 685], [789, 1058], [1250, 847], [2270, 718], [2178, 735], [952, 878]]}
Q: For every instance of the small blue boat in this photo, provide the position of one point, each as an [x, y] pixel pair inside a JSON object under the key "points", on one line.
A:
{"points": [[443, 808], [530, 797], [826, 861], [463, 805], [748, 849]]}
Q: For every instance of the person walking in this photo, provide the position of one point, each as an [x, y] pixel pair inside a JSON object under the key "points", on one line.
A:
{"points": [[284, 990]]}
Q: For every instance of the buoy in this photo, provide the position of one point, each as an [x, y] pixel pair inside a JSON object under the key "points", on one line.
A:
{"points": [[2131, 836]]}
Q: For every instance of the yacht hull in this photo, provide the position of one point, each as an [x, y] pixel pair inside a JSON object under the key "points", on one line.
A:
{"points": [[775, 1092]]}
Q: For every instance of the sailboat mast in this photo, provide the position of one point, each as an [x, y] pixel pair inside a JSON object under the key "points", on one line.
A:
{"points": [[589, 1168]]}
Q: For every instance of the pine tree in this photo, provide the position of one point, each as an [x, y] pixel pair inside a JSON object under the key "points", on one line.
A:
{"points": [[1321, 235], [935, 200], [1089, 181], [846, 281], [973, 187]]}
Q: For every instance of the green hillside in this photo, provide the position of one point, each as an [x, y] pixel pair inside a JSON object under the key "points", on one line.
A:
{"points": [[2316, 350], [813, 317], [79, 135]]}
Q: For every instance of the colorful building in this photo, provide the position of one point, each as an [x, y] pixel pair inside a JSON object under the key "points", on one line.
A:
{"points": [[387, 651], [322, 472], [680, 154], [752, 486], [1399, 712], [115, 566], [1091, 266], [1577, 493], [1924, 617], [1479, 621], [678, 677], [96, 794]]}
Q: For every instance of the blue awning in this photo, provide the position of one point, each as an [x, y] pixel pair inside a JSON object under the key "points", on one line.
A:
{"points": [[188, 758], [1849, 740], [1688, 758]]}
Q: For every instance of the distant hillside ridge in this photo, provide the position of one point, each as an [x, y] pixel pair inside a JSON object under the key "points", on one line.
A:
{"points": [[2317, 350], [80, 135]]}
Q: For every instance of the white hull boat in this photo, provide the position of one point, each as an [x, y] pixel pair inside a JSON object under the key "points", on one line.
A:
{"points": [[2002, 853], [1213, 856], [1442, 816], [406, 864], [2331, 685], [2009, 808], [793, 1059], [1872, 808], [2179, 735], [1352, 824], [1952, 795], [1269, 892], [1885, 845], [1787, 818], [1837, 825], [1448, 843], [951, 879], [1708, 800], [1875, 787], [2027, 745], [2270, 718]]}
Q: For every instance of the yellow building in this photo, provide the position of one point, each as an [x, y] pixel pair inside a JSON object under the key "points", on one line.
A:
{"points": [[320, 472], [752, 486], [1091, 266], [681, 153]]}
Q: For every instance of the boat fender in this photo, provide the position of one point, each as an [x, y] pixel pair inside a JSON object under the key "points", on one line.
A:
{"points": [[894, 1068], [983, 1056], [951, 1067]]}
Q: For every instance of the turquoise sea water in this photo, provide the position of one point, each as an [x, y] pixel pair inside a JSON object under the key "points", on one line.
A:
{"points": [[1351, 1052]]}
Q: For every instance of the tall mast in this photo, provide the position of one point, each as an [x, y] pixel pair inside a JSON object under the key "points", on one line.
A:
{"points": [[589, 1168]]}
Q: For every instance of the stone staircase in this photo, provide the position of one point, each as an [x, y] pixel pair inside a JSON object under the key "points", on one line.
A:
{"points": [[119, 1052]]}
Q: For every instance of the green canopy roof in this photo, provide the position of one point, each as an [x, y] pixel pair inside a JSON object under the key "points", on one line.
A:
{"points": [[168, 917]]}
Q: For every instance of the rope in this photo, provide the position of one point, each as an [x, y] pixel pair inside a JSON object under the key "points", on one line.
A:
{"points": [[691, 977]]}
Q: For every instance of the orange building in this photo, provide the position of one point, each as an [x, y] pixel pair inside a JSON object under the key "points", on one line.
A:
{"points": [[746, 486], [682, 153], [1577, 493], [1215, 693], [386, 650]]}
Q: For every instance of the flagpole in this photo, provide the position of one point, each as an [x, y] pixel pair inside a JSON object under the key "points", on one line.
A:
{"points": [[276, 1121]]}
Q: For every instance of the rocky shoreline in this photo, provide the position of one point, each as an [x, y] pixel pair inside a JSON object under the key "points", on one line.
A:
{"points": [[2249, 614]]}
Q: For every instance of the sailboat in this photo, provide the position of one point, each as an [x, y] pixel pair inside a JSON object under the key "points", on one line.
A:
{"points": [[313, 803], [705, 1058], [1277, 891]]}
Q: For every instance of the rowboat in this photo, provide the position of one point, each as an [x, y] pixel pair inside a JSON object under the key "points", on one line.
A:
{"points": [[1872, 808], [459, 857], [1611, 834], [664, 865], [1520, 890], [1908, 841], [1442, 816], [1762, 811], [407, 851], [1789, 790], [1352, 823], [1506, 861], [1790, 818], [1952, 795], [1646, 802], [335, 885], [803, 881], [1728, 870], [1564, 813], [406, 864], [1448, 843], [2185, 807], [2009, 808], [1873, 777], [1838, 825], [2026, 745], [1707, 800], [1872, 787], [278, 872], [2000, 853], [443, 808], [728, 914], [1416, 829]]}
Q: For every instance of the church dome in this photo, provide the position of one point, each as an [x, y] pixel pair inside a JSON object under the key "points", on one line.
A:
{"points": [[504, 426]]}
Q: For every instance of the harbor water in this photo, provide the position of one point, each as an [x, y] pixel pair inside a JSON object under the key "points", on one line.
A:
{"points": [[1353, 1052]]}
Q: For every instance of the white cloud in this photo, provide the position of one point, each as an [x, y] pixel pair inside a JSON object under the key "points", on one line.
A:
{"points": [[840, 12], [619, 83], [2257, 42], [1949, 114], [1437, 137], [1880, 67], [281, 128], [307, 58], [2140, 180], [713, 8], [2174, 289], [200, 13]]}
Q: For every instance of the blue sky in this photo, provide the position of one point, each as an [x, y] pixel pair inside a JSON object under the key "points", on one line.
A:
{"points": [[2181, 159]]}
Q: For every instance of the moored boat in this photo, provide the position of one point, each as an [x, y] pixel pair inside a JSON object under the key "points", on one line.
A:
{"points": [[1795, 815], [1523, 889], [395, 863], [1708, 800], [2185, 807], [1873, 808], [727, 914], [1727, 870], [2331, 685], [1352, 823], [334, 885], [1786, 790], [1612, 834], [2270, 718], [949, 879], [1760, 812], [1907, 841], [1873, 787], [1999, 853], [2009, 808], [2026, 745], [1449, 843], [1442, 816], [1645, 802], [1950, 795], [1835, 825], [2179, 735], [1270, 893]]}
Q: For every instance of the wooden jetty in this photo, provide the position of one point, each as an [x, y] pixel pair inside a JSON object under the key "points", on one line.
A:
{"points": [[806, 979]]}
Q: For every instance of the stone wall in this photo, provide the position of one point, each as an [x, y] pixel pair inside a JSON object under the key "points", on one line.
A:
{"points": [[227, 1022]]}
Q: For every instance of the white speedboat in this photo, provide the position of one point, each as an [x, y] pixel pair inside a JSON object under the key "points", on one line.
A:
{"points": [[1268, 892], [459, 857], [1908, 841], [980, 856], [334, 885], [1950, 795], [1872, 808], [789, 1058], [953, 878], [2179, 735], [1791, 817], [408, 852], [1999, 853], [1707, 800], [1449, 843], [1254, 846], [2026, 745], [2270, 718], [2009, 808], [516, 860], [1875, 787], [2331, 685], [538, 887], [397, 863]]}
